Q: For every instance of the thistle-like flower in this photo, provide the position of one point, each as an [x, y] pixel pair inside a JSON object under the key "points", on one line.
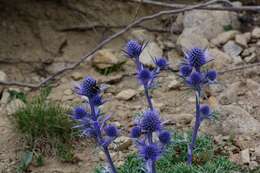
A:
{"points": [[133, 49], [150, 152], [196, 57], [150, 121], [196, 78], [89, 120]]}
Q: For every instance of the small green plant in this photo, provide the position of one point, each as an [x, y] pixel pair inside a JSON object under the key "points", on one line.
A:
{"points": [[227, 27], [174, 160], [45, 126], [17, 95]]}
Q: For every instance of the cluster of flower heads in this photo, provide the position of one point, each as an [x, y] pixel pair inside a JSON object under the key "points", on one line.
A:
{"points": [[149, 123], [192, 71], [133, 50], [90, 122]]}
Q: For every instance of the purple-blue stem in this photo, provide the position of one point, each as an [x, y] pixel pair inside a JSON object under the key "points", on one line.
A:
{"points": [[150, 104], [100, 139], [195, 129]]}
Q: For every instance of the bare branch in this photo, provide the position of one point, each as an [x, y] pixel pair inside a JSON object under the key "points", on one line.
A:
{"points": [[109, 39], [230, 7]]}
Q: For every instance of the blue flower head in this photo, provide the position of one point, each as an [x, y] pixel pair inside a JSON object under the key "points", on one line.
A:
{"points": [[205, 110], [150, 152], [145, 76], [136, 132], [79, 113], [211, 75], [196, 57], [111, 131], [161, 63], [185, 70], [150, 121], [133, 49], [88, 87], [97, 100], [164, 137], [195, 79]]}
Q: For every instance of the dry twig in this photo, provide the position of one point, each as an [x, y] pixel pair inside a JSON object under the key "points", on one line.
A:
{"points": [[229, 6], [109, 39]]}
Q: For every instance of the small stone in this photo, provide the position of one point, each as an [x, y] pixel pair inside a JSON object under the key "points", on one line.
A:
{"points": [[174, 84], [232, 49], [221, 59], [213, 102], [68, 92], [256, 32], [251, 59], [14, 106], [242, 39], [151, 50], [182, 119], [237, 60], [126, 94], [121, 143], [77, 76], [104, 58], [222, 38], [3, 77], [245, 157], [142, 35], [257, 153], [5, 97], [248, 51]]}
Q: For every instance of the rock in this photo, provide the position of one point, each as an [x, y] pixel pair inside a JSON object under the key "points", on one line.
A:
{"points": [[68, 92], [232, 49], [121, 143], [54, 41], [245, 157], [256, 32], [105, 58], [252, 85], [142, 35], [230, 94], [179, 119], [77, 76], [222, 38], [235, 158], [111, 79], [243, 39], [251, 59], [174, 58], [257, 153], [174, 84], [126, 94], [187, 41], [221, 59], [151, 50], [248, 51], [232, 120], [14, 106], [54, 67], [243, 142], [237, 60], [3, 77], [5, 97], [209, 23]]}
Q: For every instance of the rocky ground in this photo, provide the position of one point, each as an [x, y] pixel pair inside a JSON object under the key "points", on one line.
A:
{"points": [[36, 42]]}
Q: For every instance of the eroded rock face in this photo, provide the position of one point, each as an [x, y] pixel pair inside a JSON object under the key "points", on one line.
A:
{"points": [[232, 120], [201, 26], [209, 23]]}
